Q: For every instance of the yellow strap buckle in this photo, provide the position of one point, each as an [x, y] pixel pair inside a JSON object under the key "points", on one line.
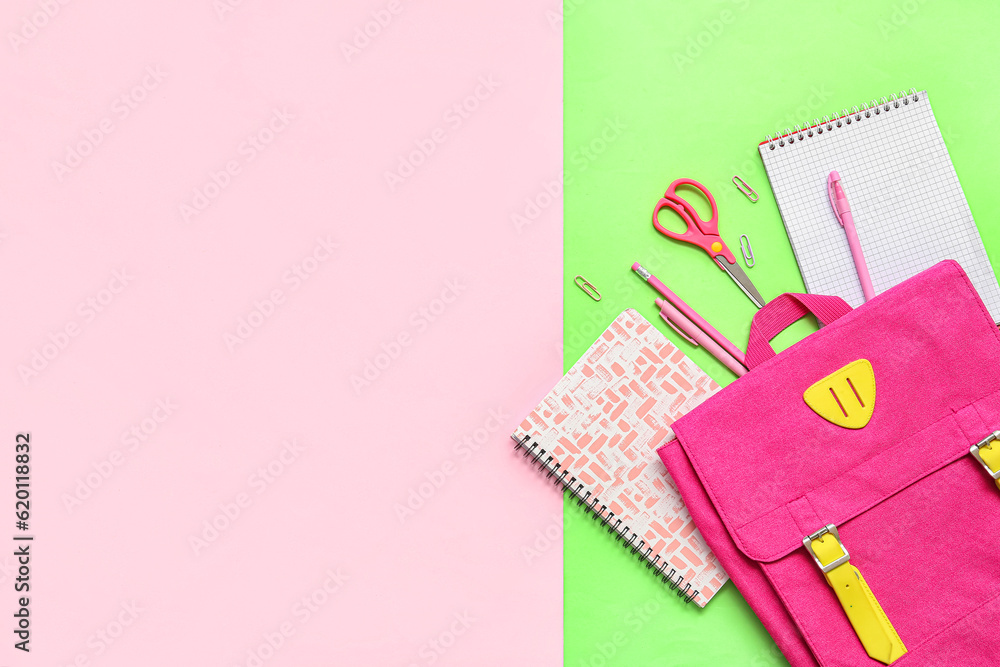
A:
{"points": [[829, 550], [879, 638], [988, 455]]}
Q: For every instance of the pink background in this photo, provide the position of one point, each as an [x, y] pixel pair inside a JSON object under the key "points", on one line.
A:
{"points": [[125, 300]]}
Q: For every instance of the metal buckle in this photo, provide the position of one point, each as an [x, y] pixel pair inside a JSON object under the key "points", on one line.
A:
{"points": [[832, 530], [974, 450]]}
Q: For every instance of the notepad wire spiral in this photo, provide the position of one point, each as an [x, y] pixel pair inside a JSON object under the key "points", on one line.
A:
{"points": [[867, 110], [592, 504]]}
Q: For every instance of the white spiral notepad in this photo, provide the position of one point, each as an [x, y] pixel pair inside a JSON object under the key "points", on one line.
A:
{"points": [[908, 206]]}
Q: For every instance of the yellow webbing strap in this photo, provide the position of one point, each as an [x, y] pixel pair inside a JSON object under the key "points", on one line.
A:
{"points": [[873, 628]]}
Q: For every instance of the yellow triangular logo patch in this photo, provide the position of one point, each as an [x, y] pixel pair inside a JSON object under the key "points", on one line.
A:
{"points": [[845, 397]]}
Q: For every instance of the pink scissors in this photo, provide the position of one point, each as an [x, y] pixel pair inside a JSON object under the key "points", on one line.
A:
{"points": [[704, 234]]}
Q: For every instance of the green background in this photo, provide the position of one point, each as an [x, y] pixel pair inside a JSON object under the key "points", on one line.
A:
{"points": [[688, 90]]}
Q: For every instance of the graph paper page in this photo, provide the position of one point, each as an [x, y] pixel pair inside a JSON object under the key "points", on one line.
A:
{"points": [[908, 206]]}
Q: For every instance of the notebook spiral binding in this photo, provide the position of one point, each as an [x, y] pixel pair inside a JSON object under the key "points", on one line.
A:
{"points": [[600, 511], [867, 110]]}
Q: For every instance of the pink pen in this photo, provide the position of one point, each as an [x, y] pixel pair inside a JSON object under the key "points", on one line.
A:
{"points": [[694, 335], [842, 210], [688, 311]]}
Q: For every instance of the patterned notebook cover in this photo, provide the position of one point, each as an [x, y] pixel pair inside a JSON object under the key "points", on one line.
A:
{"points": [[603, 422]]}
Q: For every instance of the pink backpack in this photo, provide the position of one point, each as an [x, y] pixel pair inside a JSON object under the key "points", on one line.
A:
{"points": [[871, 437]]}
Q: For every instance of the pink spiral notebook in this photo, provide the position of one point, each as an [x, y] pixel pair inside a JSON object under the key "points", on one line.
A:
{"points": [[596, 435]]}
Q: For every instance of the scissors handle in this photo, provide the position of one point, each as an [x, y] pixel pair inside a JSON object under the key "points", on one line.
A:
{"points": [[690, 235], [711, 226], [699, 232]]}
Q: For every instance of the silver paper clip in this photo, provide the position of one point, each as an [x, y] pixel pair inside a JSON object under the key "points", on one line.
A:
{"points": [[587, 288], [745, 189], [748, 257]]}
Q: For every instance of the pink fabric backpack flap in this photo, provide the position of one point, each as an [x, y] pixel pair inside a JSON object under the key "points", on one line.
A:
{"points": [[761, 467]]}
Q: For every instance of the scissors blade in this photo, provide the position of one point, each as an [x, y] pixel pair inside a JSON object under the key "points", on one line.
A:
{"points": [[739, 277]]}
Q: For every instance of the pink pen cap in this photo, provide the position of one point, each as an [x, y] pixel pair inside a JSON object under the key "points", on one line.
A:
{"points": [[838, 200], [688, 330], [670, 315]]}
